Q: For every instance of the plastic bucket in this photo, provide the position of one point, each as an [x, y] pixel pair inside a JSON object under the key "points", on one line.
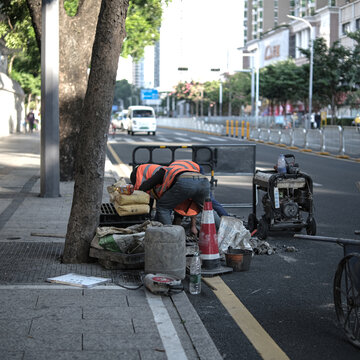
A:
{"points": [[238, 259]]}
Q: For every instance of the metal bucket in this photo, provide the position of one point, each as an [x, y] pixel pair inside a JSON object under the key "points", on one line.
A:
{"points": [[238, 259]]}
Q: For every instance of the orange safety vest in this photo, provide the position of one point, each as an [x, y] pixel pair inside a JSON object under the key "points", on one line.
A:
{"points": [[145, 172], [174, 169], [187, 208]]}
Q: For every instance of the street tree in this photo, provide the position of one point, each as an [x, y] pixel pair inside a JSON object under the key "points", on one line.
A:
{"points": [[353, 75], [18, 34], [94, 124], [77, 32], [279, 83], [330, 68], [124, 93], [237, 92]]}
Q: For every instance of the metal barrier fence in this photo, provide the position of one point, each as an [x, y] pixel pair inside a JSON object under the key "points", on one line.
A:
{"points": [[335, 140]]}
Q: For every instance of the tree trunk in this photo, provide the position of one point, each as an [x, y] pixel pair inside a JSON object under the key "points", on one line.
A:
{"points": [[229, 108], [76, 38], [94, 125], [333, 110]]}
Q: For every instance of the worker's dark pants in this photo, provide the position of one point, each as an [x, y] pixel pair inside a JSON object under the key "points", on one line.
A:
{"points": [[195, 187]]}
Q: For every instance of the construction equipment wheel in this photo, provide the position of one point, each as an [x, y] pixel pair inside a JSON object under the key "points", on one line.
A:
{"points": [[262, 229], [347, 296], [311, 227], [252, 222]]}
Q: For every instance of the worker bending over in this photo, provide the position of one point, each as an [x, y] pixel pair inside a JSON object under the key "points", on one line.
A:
{"points": [[171, 186]]}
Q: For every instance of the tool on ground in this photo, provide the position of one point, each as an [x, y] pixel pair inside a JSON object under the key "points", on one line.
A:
{"points": [[162, 284]]}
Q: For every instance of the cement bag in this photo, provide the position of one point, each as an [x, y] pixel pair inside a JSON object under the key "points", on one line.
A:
{"points": [[137, 197], [124, 243], [103, 231], [232, 232], [136, 209]]}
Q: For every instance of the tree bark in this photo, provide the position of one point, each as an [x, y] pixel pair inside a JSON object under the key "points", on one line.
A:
{"points": [[94, 125], [76, 39]]}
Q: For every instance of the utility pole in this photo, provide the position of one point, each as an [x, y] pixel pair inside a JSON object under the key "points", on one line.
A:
{"points": [[49, 160]]}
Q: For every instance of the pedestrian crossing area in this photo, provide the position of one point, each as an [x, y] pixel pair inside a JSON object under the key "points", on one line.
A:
{"points": [[168, 138]]}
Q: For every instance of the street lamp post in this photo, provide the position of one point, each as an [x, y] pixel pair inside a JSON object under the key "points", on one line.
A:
{"points": [[311, 46], [220, 91], [254, 92]]}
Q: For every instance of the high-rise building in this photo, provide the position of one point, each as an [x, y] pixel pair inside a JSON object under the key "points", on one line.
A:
{"points": [[275, 36], [138, 73], [157, 65]]}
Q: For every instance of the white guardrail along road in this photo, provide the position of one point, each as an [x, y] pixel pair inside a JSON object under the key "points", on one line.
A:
{"points": [[335, 140]]}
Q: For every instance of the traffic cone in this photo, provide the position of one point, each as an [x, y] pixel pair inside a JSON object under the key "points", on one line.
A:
{"points": [[208, 244]]}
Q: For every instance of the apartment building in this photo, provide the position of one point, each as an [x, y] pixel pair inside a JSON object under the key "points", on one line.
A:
{"points": [[349, 20], [275, 36]]}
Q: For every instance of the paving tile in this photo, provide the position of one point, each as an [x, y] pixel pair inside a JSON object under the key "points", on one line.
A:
{"points": [[43, 342], [82, 355], [107, 326], [92, 312], [14, 328], [51, 313], [150, 340], [11, 355], [61, 297]]}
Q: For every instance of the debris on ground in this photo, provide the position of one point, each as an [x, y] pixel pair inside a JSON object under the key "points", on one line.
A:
{"points": [[290, 248], [261, 247]]}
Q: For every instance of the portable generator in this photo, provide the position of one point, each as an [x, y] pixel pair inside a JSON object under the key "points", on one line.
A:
{"points": [[287, 200]]}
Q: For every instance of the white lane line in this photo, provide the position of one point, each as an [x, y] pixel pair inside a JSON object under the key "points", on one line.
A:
{"points": [[198, 138], [128, 140], [182, 139], [216, 138], [168, 334]]}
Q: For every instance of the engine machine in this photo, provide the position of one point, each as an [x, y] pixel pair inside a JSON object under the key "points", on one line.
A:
{"points": [[287, 200]]}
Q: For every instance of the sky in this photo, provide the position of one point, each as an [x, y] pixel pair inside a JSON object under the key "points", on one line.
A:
{"points": [[199, 35]]}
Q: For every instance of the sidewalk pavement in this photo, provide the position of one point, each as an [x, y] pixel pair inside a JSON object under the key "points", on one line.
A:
{"points": [[41, 320]]}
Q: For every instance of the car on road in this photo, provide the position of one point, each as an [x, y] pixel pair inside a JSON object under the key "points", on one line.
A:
{"points": [[119, 120], [141, 119]]}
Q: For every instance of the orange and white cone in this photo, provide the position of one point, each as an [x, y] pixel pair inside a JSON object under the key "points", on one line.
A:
{"points": [[208, 244]]}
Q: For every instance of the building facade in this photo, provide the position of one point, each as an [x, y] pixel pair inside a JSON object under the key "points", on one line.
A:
{"points": [[276, 36]]}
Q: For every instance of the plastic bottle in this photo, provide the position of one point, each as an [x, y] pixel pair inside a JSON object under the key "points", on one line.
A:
{"points": [[281, 165], [195, 275]]}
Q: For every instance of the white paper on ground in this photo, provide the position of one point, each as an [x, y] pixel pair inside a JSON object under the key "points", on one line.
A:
{"points": [[78, 280]]}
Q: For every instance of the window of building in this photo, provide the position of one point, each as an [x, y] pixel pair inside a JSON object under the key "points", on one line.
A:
{"points": [[357, 24], [345, 28]]}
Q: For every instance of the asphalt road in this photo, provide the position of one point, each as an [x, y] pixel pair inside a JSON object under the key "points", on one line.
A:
{"points": [[290, 294]]}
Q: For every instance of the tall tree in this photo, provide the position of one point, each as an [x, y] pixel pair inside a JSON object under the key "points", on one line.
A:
{"points": [[330, 68], [94, 124], [77, 34], [18, 34], [76, 39], [279, 82]]}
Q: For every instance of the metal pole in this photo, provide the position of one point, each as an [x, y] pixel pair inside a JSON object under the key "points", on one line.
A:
{"points": [[311, 72], [257, 97], [220, 99], [252, 87], [49, 161], [311, 47]]}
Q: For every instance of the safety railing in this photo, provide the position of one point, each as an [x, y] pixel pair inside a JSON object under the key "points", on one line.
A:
{"points": [[334, 140]]}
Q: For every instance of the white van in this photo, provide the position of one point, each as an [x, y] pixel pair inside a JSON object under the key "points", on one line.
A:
{"points": [[141, 119]]}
